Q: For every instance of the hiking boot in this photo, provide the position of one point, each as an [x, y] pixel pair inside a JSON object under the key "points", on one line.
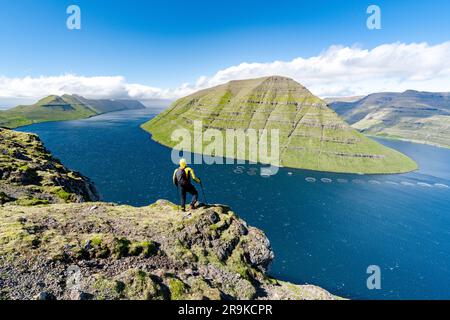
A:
{"points": [[193, 207], [187, 215]]}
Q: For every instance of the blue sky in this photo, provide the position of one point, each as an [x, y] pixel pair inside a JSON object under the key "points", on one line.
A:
{"points": [[165, 43]]}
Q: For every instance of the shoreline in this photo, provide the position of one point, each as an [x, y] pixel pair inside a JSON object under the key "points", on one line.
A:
{"points": [[306, 169], [408, 140], [68, 120]]}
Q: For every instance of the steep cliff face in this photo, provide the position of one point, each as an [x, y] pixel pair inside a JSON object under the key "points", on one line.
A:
{"points": [[104, 251], [55, 244], [30, 175]]}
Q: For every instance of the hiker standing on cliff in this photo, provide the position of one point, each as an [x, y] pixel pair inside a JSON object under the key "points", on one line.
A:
{"points": [[182, 179]]}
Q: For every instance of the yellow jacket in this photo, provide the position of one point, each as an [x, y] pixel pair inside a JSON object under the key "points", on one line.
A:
{"points": [[189, 174]]}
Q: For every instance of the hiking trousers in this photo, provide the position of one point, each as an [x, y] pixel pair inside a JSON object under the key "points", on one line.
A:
{"points": [[188, 189]]}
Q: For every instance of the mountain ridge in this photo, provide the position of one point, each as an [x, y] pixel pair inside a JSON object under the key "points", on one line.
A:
{"points": [[312, 136], [62, 108], [418, 116]]}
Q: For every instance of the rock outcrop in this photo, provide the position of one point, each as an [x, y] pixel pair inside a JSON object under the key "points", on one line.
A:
{"points": [[30, 175], [106, 251]]}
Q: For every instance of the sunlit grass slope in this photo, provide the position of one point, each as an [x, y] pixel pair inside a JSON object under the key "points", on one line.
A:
{"points": [[312, 136]]}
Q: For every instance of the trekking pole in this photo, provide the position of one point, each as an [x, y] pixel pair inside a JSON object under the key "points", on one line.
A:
{"points": [[203, 192]]}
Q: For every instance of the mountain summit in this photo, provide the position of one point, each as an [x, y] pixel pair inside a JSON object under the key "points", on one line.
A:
{"points": [[312, 136]]}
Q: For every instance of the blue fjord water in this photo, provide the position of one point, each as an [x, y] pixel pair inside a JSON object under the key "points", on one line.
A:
{"points": [[325, 229]]}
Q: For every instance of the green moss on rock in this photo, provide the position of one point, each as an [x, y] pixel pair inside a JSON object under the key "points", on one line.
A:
{"points": [[139, 285], [108, 289], [121, 247], [146, 248], [177, 289], [31, 202]]}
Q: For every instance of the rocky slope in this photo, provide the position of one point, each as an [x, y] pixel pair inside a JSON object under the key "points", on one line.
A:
{"points": [[30, 175], [312, 136], [55, 246], [66, 107], [104, 251], [418, 116]]}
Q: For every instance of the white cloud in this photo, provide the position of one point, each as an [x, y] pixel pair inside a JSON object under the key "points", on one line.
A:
{"points": [[338, 71], [344, 71], [29, 87]]}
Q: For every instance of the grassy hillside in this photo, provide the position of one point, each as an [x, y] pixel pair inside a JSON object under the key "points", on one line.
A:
{"points": [[417, 116], [106, 105], [66, 107], [312, 136]]}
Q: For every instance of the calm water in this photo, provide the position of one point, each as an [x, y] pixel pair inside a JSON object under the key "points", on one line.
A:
{"points": [[323, 232]]}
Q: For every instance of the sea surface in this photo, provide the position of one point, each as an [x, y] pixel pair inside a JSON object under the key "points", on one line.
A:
{"points": [[326, 229]]}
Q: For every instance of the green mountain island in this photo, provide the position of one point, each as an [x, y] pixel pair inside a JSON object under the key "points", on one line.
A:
{"points": [[422, 117], [61, 108], [56, 243], [312, 136]]}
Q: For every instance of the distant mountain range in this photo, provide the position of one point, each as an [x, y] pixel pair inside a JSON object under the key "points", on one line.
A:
{"points": [[312, 136], [422, 117], [60, 108], [343, 99]]}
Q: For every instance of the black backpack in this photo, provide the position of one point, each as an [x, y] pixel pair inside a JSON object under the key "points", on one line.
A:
{"points": [[182, 178]]}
